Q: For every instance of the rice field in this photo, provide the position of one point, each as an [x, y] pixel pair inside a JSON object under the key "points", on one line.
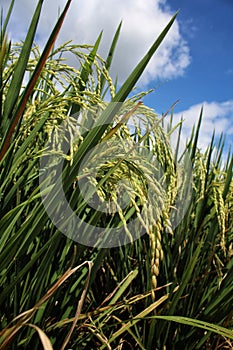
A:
{"points": [[110, 238]]}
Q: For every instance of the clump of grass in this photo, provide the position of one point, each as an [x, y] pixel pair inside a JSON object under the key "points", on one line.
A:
{"points": [[147, 293]]}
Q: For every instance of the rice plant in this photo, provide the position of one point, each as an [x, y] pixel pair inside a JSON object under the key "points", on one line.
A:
{"points": [[140, 268]]}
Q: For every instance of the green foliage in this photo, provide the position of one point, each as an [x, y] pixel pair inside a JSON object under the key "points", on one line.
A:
{"points": [[169, 288]]}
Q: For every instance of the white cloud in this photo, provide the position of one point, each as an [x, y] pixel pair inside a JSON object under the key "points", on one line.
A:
{"points": [[217, 116], [143, 20]]}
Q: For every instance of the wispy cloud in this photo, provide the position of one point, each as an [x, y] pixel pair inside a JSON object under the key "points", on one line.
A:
{"points": [[229, 71], [143, 20], [217, 116]]}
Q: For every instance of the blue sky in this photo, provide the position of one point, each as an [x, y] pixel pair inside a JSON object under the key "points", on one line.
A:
{"points": [[207, 27], [194, 64]]}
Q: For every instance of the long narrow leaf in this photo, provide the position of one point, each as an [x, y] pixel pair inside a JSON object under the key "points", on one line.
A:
{"points": [[29, 89], [85, 72], [110, 56], [3, 33], [20, 69], [95, 134]]}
